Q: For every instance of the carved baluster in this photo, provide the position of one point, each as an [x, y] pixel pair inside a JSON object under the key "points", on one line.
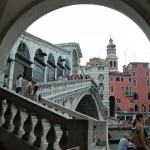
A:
{"points": [[1, 110], [17, 122], [63, 140], [38, 132], [51, 137], [8, 116], [28, 127]]}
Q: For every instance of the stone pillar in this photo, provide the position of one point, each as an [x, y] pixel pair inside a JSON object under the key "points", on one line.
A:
{"points": [[11, 75], [102, 133], [80, 133]]}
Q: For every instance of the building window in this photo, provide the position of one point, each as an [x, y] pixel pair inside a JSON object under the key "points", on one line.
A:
{"points": [[135, 96], [122, 89], [118, 109], [147, 74], [131, 101], [134, 65], [118, 101], [133, 74], [111, 79], [148, 95], [129, 79], [101, 87], [148, 82], [122, 80], [101, 78], [134, 83], [136, 108], [145, 65], [112, 89], [149, 107], [143, 108], [117, 79]]}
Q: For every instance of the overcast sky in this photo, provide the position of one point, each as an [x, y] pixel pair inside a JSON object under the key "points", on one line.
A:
{"points": [[91, 26]]}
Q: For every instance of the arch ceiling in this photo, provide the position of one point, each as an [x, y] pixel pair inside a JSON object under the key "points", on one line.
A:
{"points": [[22, 15]]}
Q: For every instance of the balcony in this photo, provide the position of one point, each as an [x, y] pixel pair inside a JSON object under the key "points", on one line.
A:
{"points": [[129, 93]]}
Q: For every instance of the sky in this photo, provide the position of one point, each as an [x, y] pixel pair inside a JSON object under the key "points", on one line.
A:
{"points": [[91, 27]]}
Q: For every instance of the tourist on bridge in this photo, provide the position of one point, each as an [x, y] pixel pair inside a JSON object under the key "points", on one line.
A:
{"points": [[6, 82], [18, 83], [35, 91], [123, 143]]}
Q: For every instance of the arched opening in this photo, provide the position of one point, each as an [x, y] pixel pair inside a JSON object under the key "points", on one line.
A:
{"points": [[75, 63], [39, 66], [87, 106], [60, 66], [67, 68], [136, 108], [51, 68], [22, 63], [112, 106]]}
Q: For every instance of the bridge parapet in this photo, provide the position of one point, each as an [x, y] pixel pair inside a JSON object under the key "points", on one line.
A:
{"points": [[81, 125]]}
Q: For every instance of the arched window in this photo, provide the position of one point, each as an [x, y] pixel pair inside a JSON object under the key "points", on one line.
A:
{"points": [[114, 64], [143, 108], [110, 63], [101, 78], [118, 109], [60, 66], [39, 66], [134, 83], [100, 68], [136, 108]]}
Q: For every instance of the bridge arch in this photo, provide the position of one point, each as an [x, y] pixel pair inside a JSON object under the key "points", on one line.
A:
{"points": [[92, 102], [87, 106], [22, 20]]}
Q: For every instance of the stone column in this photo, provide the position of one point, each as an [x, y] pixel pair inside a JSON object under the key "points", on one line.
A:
{"points": [[102, 133]]}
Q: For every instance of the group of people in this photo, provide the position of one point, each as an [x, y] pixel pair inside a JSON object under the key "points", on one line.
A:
{"points": [[141, 133], [31, 89], [74, 77]]}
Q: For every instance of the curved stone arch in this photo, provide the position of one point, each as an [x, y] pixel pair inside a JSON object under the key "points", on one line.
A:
{"points": [[51, 58], [95, 100], [37, 54], [20, 46], [16, 27]]}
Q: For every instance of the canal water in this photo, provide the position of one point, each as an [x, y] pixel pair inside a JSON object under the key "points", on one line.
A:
{"points": [[117, 134]]}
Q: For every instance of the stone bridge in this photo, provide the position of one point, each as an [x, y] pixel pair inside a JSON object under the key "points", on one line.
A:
{"points": [[78, 95]]}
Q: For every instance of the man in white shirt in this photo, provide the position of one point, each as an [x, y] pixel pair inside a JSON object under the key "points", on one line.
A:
{"points": [[123, 143]]}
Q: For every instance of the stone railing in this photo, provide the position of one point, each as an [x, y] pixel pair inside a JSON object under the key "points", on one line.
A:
{"points": [[101, 134], [75, 132], [56, 89]]}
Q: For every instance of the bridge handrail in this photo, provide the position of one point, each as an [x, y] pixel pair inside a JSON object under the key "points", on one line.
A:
{"points": [[67, 125], [49, 88], [53, 118]]}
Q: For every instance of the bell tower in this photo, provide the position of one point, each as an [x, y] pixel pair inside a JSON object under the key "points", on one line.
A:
{"points": [[111, 59]]}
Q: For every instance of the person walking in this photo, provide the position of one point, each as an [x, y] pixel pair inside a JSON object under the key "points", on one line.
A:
{"points": [[6, 82], [19, 80], [123, 143], [35, 91]]}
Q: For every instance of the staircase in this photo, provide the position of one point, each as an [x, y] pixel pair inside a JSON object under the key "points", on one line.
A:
{"points": [[29, 125]]}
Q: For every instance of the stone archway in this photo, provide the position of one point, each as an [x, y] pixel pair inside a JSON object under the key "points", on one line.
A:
{"points": [[112, 106], [87, 106], [29, 11]]}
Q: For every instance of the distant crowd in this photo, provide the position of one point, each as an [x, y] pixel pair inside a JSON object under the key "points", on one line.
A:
{"points": [[74, 77]]}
